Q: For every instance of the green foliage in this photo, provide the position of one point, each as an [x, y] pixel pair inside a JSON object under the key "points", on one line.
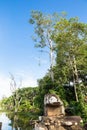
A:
{"points": [[70, 45], [71, 50], [22, 120], [79, 108], [45, 85], [70, 41], [26, 103]]}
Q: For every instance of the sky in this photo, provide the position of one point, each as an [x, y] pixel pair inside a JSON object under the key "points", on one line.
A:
{"points": [[18, 55]]}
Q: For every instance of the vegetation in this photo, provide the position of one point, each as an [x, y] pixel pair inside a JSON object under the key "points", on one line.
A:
{"points": [[27, 103], [66, 40]]}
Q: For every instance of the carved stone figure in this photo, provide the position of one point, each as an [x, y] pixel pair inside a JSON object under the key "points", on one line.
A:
{"points": [[53, 106]]}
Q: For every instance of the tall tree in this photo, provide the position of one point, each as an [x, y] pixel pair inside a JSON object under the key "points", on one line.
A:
{"points": [[16, 98], [70, 38], [44, 28]]}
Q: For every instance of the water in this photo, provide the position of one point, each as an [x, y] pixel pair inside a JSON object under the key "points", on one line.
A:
{"points": [[14, 123], [5, 122]]}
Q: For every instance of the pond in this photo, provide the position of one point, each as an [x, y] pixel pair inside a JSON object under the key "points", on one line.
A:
{"points": [[12, 122]]}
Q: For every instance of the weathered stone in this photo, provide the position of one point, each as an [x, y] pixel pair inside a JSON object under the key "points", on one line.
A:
{"points": [[74, 127], [60, 128], [53, 106], [54, 116], [57, 123], [74, 119], [47, 124], [52, 121], [51, 127], [67, 123], [40, 127]]}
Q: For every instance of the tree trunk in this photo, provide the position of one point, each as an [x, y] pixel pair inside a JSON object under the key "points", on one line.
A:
{"points": [[75, 77]]}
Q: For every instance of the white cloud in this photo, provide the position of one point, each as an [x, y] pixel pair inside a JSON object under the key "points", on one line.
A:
{"points": [[27, 81], [4, 86]]}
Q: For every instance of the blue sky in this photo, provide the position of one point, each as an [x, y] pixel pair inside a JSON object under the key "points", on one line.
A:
{"points": [[17, 53]]}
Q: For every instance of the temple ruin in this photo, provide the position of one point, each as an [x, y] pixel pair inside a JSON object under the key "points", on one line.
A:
{"points": [[55, 118]]}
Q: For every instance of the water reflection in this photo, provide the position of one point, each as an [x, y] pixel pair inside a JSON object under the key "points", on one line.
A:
{"points": [[5, 122], [19, 121], [13, 121]]}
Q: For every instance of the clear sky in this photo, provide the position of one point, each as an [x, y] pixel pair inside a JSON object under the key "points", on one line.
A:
{"points": [[17, 53]]}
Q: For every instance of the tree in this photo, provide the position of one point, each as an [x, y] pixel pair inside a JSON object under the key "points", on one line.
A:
{"points": [[44, 28], [71, 49], [16, 98], [21, 100]]}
